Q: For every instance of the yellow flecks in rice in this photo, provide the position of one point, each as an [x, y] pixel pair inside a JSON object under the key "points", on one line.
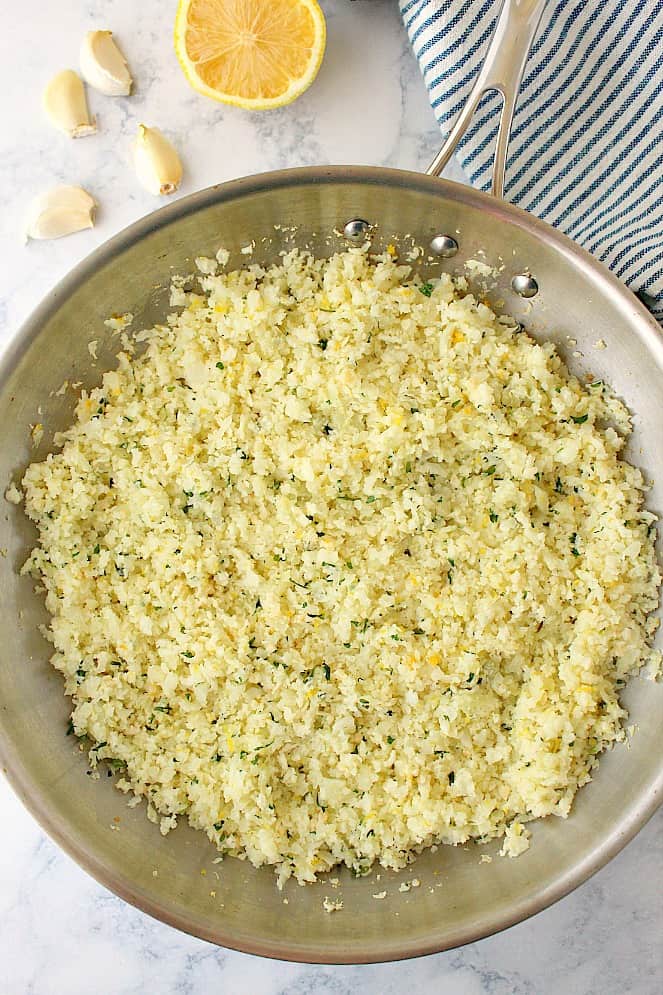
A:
{"points": [[307, 563], [119, 322], [36, 433]]}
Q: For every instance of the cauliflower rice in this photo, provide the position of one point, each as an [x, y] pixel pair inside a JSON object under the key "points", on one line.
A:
{"points": [[344, 566]]}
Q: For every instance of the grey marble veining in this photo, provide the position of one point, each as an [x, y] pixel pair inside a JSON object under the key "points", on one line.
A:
{"points": [[60, 932]]}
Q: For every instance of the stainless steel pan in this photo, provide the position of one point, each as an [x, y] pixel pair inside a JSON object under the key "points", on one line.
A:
{"points": [[459, 899]]}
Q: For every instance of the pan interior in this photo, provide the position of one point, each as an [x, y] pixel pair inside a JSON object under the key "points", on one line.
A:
{"points": [[459, 898]]}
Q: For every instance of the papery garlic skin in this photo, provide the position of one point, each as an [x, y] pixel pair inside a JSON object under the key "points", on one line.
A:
{"points": [[66, 105], [60, 211], [103, 66], [157, 164]]}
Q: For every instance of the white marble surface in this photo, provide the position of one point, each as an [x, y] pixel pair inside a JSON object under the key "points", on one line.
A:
{"points": [[60, 932]]}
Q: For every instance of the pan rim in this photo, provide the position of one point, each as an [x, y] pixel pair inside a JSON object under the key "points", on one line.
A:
{"points": [[263, 182], [10, 762]]}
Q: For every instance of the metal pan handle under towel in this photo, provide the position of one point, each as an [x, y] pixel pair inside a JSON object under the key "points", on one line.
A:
{"points": [[502, 70]]}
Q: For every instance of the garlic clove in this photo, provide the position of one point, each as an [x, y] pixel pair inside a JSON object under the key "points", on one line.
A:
{"points": [[103, 66], [60, 211], [66, 105], [156, 161]]}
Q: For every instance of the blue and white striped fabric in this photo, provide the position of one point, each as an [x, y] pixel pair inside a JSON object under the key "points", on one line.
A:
{"points": [[586, 152]]}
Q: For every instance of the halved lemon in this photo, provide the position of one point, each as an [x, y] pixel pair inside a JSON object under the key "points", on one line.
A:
{"points": [[255, 54]]}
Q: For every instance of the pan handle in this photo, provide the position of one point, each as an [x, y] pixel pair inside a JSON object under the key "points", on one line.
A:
{"points": [[502, 70]]}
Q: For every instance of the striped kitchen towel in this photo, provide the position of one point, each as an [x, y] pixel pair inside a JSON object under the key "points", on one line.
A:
{"points": [[586, 150]]}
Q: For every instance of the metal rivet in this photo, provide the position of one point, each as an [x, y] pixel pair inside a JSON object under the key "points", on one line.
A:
{"points": [[444, 245], [525, 285], [356, 229]]}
